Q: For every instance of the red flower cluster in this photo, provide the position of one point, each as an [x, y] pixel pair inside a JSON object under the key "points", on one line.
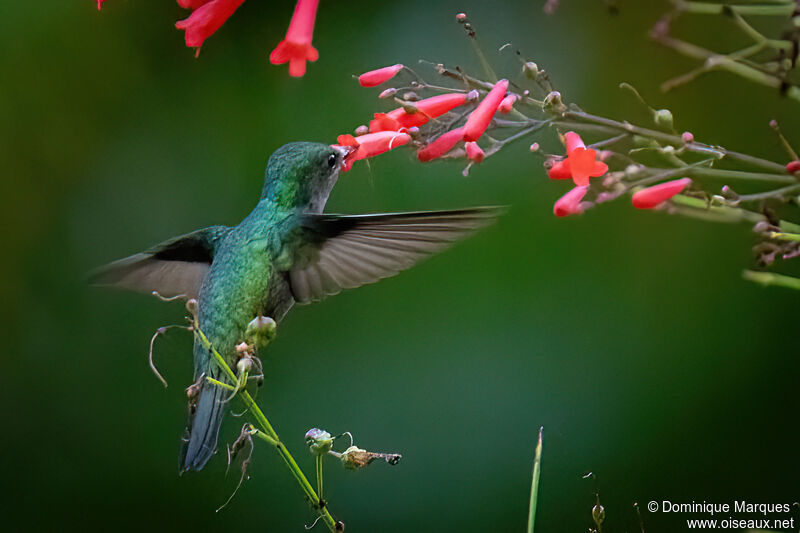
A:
{"points": [[389, 130], [209, 15], [581, 164]]}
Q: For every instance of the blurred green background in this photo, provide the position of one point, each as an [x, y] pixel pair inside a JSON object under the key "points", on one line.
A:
{"points": [[629, 336]]}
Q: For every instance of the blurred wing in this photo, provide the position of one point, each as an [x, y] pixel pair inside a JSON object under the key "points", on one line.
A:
{"points": [[344, 252], [173, 268]]}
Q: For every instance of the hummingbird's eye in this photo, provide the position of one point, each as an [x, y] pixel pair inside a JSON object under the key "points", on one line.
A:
{"points": [[332, 160]]}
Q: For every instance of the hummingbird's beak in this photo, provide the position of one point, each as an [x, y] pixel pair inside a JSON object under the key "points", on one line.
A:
{"points": [[344, 152]]}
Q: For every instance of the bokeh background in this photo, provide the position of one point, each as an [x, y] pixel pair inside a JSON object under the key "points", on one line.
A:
{"points": [[629, 336]]}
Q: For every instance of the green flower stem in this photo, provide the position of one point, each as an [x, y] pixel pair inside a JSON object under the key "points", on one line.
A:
{"points": [[708, 8], [537, 470], [757, 36], [318, 462], [270, 434], [263, 436], [675, 140], [725, 62], [730, 213], [733, 213], [218, 383], [777, 193], [667, 174], [705, 172], [792, 237], [771, 278]]}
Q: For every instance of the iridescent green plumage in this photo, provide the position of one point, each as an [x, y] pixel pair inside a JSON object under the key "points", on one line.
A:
{"points": [[284, 252]]}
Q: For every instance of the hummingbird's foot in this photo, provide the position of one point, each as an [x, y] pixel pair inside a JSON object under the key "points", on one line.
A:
{"points": [[246, 364], [193, 391]]}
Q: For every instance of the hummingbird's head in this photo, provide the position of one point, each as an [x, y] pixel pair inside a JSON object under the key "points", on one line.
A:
{"points": [[302, 174]]}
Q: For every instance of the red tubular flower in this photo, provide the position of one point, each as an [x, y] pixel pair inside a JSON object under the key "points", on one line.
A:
{"points": [[441, 145], [100, 4], [570, 203], [507, 103], [427, 109], [371, 144], [653, 196], [479, 120], [205, 20], [378, 76], [582, 161], [474, 152], [793, 166], [573, 141], [560, 170], [191, 4], [296, 48]]}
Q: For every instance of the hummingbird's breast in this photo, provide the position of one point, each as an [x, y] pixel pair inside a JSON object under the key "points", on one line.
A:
{"points": [[241, 284]]}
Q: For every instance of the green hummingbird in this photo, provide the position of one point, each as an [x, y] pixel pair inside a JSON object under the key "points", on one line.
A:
{"points": [[285, 251]]}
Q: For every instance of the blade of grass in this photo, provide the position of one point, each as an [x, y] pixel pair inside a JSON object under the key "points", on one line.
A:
{"points": [[537, 469], [771, 278]]}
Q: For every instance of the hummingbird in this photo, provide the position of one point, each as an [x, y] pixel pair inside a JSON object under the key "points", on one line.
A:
{"points": [[285, 252]]}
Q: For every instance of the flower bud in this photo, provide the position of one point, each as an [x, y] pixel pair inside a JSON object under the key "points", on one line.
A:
{"points": [[362, 130], [461, 17], [260, 331], [479, 120], [354, 458], [570, 203], [530, 69], [657, 194], [604, 197], [474, 152], [663, 118], [507, 104], [318, 441], [687, 137], [388, 93], [534, 147], [191, 306], [411, 96], [441, 145], [553, 103], [793, 166], [245, 364], [381, 75], [598, 514], [632, 170]]}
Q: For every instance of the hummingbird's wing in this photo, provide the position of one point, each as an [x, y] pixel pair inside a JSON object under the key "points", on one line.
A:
{"points": [[343, 252], [173, 268]]}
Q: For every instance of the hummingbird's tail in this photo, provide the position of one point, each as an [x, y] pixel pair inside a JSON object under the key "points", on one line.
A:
{"points": [[205, 418]]}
